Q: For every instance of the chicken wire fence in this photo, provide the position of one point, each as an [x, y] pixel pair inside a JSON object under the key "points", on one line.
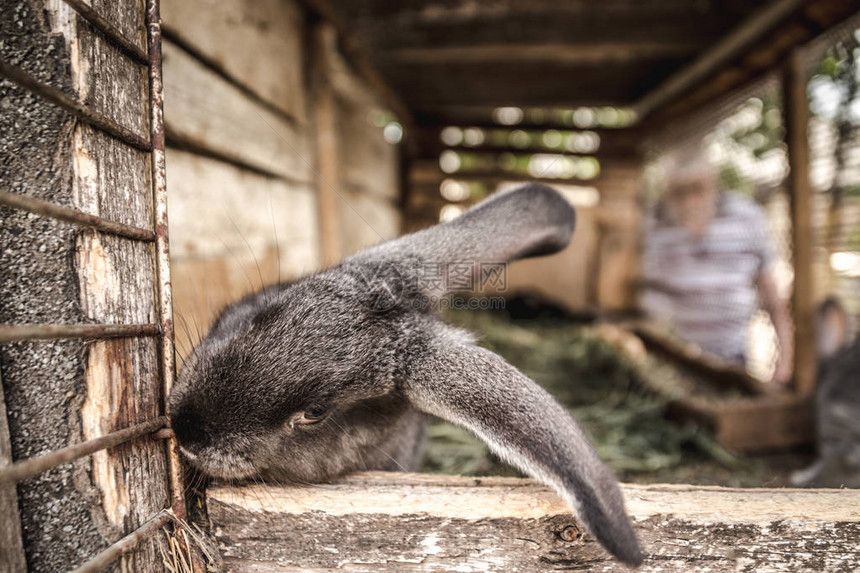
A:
{"points": [[739, 142]]}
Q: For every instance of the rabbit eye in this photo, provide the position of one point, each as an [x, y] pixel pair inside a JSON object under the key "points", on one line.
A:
{"points": [[311, 416]]}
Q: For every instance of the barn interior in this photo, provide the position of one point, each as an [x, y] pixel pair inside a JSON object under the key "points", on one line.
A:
{"points": [[163, 159]]}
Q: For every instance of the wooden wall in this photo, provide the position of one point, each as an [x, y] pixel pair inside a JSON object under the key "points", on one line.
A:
{"points": [[241, 90]]}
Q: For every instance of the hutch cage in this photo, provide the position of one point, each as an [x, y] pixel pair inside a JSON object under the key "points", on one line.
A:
{"points": [[95, 231]]}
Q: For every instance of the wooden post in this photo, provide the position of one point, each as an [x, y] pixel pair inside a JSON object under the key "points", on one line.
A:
{"points": [[11, 545], [800, 193], [328, 180]]}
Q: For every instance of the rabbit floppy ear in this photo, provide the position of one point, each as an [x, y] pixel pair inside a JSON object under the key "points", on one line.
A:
{"points": [[475, 388], [528, 221]]}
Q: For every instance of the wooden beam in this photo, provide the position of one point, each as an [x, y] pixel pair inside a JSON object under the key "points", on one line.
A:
{"points": [[720, 53], [557, 53], [328, 172], [11, 544], [412, 522], [351, 50], [800, 193], [765, 55], [742, 415]]}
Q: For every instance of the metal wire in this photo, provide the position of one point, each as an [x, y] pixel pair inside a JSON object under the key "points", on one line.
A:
{"points": [[34, 466], [18, 332], [74, 216], [162, 243], [126, 544], [82, 112]]}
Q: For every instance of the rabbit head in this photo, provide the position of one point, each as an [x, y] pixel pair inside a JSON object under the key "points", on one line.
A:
{"points": [[330, 374]]}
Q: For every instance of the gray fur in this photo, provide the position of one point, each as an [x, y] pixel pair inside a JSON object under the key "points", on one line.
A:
{"points": [[837, 405], [360, 341]]}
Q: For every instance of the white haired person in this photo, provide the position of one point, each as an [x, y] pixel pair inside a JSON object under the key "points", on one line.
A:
{"points": [[708, 264]]}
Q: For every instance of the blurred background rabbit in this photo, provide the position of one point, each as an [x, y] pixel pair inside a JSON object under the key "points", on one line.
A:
{"points": [[837, 404]]}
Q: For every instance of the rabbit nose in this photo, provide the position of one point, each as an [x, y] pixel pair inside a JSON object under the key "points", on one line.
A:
{"points": [[189, 428]]}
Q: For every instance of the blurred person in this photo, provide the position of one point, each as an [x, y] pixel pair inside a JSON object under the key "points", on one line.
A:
{"points": [[708, 264]]}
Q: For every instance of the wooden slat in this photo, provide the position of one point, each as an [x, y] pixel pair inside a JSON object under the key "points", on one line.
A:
{"points": [[119, 94], [225, 224], [596, 53], [411, 522], [814, 17], [203, 111], [355, 54], [255, 43], [802, 240], [327, 146]]}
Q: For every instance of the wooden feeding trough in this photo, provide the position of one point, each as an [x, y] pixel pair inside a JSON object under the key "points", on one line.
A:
{"points": [[741, 411]]}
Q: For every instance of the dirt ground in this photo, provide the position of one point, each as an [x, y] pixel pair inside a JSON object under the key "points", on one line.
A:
{"points": [[599, 386]]}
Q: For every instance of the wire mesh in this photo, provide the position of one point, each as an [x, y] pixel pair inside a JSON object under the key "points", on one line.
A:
{"points": [[717, 223]]}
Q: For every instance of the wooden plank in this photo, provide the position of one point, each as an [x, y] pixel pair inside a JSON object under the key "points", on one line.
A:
{"points": [[327, 145], [800, 194], [127, 16], [102, 76], [225, 224], [726, 373], [738, 418], [446, 523], [205, 112], [257, 43], [12, 558], [595, 53], [355, 54], [365, 220], [764, 423]]}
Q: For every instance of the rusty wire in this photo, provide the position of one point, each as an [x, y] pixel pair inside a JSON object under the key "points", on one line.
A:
{"points": [[19, 332], [82, 112], [126, 544], [74, 216], [162, 245], [18, 471]]}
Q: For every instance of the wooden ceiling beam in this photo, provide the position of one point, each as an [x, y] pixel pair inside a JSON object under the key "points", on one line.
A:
{"points": [[355, 55], [769, 52], [717, 55], [554, 53]]}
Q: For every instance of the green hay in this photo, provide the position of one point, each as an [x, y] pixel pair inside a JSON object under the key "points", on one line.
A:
{"points": [[600, 387]]}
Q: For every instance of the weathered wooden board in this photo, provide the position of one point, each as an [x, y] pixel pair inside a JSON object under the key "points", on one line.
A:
{"points": [[329, 170], [205, 112], [232, 230], [257, 42], [409, 522], [127, 16], [216, 208], [101, 75], [111, 179], [62, 392], [365, 220]]}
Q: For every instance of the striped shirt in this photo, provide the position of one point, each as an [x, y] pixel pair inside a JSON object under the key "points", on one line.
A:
{"points": [[705, 288]]}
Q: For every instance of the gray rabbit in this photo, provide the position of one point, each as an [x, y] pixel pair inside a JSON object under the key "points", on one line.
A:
{"points": [[333, 373], [837, 404]]}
